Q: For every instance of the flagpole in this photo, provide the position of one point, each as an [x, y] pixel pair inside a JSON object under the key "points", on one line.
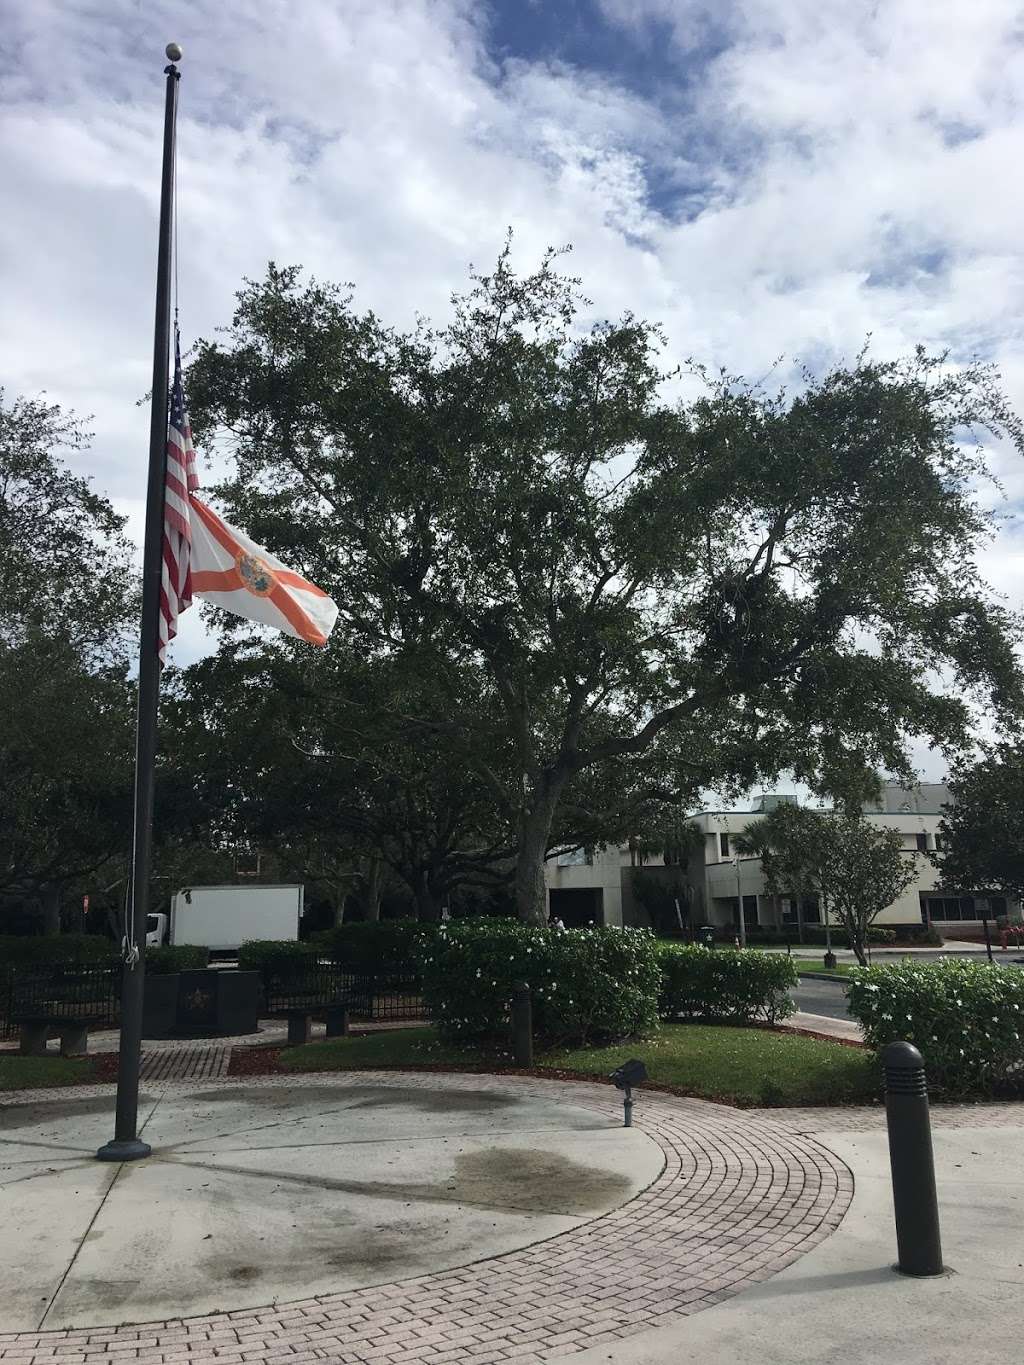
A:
{"points": [[126, 1145]]}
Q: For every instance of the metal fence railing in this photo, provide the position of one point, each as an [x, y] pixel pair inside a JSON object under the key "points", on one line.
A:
{"points": [[378, 997], [65, 991], [92, 993]]}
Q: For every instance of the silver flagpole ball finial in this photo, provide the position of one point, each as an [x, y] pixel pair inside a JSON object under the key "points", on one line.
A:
{"points": [[173, 51]]}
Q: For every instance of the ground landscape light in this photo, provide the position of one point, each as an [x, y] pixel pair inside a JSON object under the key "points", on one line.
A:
{"points": [[625, 1077]]}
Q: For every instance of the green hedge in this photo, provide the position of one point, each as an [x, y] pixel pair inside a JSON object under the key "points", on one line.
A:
{"points": [[44, 950], [258, 953], [361, 946], [966, 1018], [587, 985], [183, 957], [723, 984]]}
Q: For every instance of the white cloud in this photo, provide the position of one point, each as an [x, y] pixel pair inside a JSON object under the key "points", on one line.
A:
{"points": [[819, 171]]}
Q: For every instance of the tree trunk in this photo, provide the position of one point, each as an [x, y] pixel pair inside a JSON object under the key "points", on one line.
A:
{"points": [[858, 933], [534, 832], [373, 879], [428, 907], [49, 896]]}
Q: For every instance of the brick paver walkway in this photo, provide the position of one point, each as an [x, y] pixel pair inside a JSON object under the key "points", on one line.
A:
{"points": [[185, 1063], [739, 1198]]}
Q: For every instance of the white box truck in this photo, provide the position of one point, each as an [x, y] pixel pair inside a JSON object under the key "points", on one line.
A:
{"points": [[222, 918]]}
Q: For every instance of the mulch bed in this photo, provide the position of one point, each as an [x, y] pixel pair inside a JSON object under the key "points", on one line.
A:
{"points": [[104, 1065]]}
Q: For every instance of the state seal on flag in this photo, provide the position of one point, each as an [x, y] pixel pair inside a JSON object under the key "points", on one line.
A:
{"points": [[256, 574]]}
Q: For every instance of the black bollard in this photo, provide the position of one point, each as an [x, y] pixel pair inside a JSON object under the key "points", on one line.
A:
{"points": [[522, 1025], [912, 1161]]}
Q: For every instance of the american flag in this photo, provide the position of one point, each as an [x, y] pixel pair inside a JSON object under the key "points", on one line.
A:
{"points": [[181, 480]]}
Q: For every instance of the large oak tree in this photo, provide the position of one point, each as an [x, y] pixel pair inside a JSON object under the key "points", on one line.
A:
{"points": [[762, 581]]}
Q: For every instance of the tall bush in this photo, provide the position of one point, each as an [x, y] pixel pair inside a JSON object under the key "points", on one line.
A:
{"points": [[257, 954], [181, 957], [32, 950], [587, 985], [368, 947], [724, 984], [966, 1018]]}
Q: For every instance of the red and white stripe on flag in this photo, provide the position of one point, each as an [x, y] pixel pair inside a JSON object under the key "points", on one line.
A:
{"points": [[180, 481]]}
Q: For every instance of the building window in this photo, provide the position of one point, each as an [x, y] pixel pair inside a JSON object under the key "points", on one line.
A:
{"points": [[809, 912], [576, 857], [922, 842], [723, 844], [949, 908]]}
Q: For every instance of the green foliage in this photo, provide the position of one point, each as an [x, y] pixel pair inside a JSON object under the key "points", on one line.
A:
{"points": [[24, 950], [40, 1073], [861, 870], [386, 945], [68, 606], [857, 869], [814, 935], [966, 1018], [718, 984], [273, 954], [182, 957], [586, 984], [983, 830]]}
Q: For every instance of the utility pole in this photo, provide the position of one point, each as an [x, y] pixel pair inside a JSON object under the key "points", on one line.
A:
{"points": [[739, 901]]}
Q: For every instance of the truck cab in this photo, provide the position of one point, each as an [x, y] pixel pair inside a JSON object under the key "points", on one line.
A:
{"points": [[156, 930]]}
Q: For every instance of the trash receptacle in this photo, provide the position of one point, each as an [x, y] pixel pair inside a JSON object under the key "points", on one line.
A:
{"points": [[706, 936]]}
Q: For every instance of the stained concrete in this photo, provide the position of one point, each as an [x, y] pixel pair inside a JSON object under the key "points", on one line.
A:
{"points": [[263, 1194]]}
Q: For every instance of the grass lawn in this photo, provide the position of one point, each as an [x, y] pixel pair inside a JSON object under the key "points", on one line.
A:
{"points": [[36, 1073], [840, 971], [744, 1066]]}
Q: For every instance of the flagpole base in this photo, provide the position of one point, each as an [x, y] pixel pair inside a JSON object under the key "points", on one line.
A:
{"points": [[132, 1149]]}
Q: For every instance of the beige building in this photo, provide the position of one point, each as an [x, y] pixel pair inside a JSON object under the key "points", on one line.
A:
{"points": [[599, 885]]}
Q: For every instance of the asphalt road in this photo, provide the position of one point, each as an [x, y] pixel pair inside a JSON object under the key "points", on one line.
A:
{"points": [[821, 997], [829, 997]]}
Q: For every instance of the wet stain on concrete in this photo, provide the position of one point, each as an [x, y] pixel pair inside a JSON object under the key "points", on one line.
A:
{"points": [[528, 1181], [243, 1274], [433, 1101]]}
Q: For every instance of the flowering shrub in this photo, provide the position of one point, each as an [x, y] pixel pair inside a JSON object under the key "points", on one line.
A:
{"points": [[966, 1019], [725, 984], [586, 984]]}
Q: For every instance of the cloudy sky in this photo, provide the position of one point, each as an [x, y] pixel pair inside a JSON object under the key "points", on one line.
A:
{"points": [[766, 177]]}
